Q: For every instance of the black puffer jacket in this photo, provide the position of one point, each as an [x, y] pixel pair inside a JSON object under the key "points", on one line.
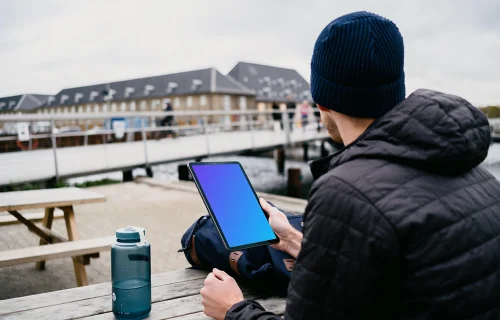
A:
{"points": [[401, 224]]}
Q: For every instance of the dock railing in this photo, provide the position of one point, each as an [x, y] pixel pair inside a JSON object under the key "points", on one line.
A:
{"points": [[38, 133]]}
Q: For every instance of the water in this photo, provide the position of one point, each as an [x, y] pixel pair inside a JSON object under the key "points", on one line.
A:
{"points": [[130, 296], [263, 173]]}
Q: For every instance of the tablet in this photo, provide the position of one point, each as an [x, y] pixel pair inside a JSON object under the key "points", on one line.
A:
{"points": [[232, 204]]}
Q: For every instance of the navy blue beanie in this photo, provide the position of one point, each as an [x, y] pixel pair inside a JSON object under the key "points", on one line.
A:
{"points": [[357, 66]]}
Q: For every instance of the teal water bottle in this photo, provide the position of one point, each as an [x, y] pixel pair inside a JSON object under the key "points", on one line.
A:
{"points": [[131, 274]]}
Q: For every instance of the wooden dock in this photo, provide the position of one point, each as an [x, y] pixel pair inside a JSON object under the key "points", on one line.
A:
{"points": [[39, 165]]}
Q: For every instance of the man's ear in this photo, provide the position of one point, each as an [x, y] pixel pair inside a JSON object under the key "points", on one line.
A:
{"points": [[323, 108]]}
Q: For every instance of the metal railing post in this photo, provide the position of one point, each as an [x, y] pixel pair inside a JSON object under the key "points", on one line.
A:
{"points": [[205, 132], [251, 131], [144, 140], [54, 147], [286, 125], [31, 132], [86, 137]]}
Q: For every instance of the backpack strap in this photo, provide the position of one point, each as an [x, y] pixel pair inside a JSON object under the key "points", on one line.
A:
{"points": [[233, 260]]}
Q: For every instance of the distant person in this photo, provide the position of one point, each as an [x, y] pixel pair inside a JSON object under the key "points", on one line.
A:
{"points": [[277, 114], [305, 109], [402, 223], [290, 108], [317, 116], [168, 120]]}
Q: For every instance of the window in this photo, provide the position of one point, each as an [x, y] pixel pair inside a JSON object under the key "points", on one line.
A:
{"points": [[88, 109], [155, 104], [113, 107], [105, 107], [132, 106], [96, 108], [58, 110], [73, 109], [123, 107], [227, 103], [189, 101], [203, 100], [45, 111], [143, 105], [80, 109], [65, 110], [177, 102]]}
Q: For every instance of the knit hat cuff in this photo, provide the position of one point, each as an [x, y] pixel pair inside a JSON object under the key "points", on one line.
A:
{"points": [[371, 102]]}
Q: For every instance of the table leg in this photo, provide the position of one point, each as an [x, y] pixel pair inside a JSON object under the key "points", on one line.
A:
{"points": [[69, 217], [48, 218]]}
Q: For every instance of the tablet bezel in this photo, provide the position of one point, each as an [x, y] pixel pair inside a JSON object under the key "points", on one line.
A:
{"points": [[210, 211]]}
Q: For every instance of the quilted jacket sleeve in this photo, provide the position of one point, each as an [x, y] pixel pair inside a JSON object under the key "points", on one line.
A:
{"points": [[347, 266]]}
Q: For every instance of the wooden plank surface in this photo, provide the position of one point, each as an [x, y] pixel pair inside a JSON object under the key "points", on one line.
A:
{"points": [[6, 220], [103, 304], [54, 251], [174, 294], [40, 301], [273, 304], [59, 197]]}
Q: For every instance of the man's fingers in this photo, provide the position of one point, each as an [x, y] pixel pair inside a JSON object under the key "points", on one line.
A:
{"points": [[221, 274]]}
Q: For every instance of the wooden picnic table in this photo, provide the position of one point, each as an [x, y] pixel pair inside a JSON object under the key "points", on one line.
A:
{"points": [[63, 198], [174, 295]]}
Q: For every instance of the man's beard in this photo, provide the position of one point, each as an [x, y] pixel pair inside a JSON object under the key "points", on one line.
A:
{"points": [[331, 127]]}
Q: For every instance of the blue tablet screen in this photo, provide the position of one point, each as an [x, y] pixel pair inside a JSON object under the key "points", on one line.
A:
{"points": [[233, 203]]}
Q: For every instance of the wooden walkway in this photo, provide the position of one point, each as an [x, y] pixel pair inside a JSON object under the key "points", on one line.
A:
{"points": [[38, 165], [174, 295]]}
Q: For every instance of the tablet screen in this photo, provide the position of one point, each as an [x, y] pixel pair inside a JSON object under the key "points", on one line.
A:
{"points": [[234, 204]]}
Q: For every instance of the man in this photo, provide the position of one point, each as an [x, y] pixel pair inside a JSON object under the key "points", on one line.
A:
{"points": [[401, 223], [277, 114], [290, 108], [168, 120]]}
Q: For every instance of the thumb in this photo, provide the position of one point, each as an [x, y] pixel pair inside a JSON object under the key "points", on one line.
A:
{"points": [[221, 274], [265, 205]]}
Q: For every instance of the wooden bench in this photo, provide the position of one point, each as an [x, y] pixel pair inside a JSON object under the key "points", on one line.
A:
{"points": [[80, 248], [60, 246], [32, 216]]}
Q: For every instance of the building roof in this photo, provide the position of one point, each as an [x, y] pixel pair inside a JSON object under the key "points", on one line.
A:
{"points": [[271, 83], [184, 83], [23, 102]]}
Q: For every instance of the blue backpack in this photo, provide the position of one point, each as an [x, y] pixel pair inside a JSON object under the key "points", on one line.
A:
{"points": [[204, 249]]}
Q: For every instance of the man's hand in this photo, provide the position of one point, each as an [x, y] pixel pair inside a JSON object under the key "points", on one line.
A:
{"points": [[219, 294], [290, 239]]}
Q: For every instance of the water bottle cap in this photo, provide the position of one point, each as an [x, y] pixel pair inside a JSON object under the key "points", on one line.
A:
{"points": [[130, 234]]}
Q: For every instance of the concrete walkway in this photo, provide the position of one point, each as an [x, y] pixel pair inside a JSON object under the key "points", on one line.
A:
{"points": [[165, 209]]}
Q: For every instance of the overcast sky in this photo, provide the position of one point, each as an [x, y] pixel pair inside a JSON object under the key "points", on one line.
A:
{"points": [[45, 46]]}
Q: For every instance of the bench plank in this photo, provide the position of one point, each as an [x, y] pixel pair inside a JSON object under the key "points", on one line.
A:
{"points": [[275, 305], [6, 220], [42, 300], [186, 304], [55, 251], [103, 304], [36, 199]]}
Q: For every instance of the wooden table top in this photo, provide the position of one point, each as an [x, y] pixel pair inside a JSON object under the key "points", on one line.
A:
{"points": [[47, 198], [174, 295]]}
